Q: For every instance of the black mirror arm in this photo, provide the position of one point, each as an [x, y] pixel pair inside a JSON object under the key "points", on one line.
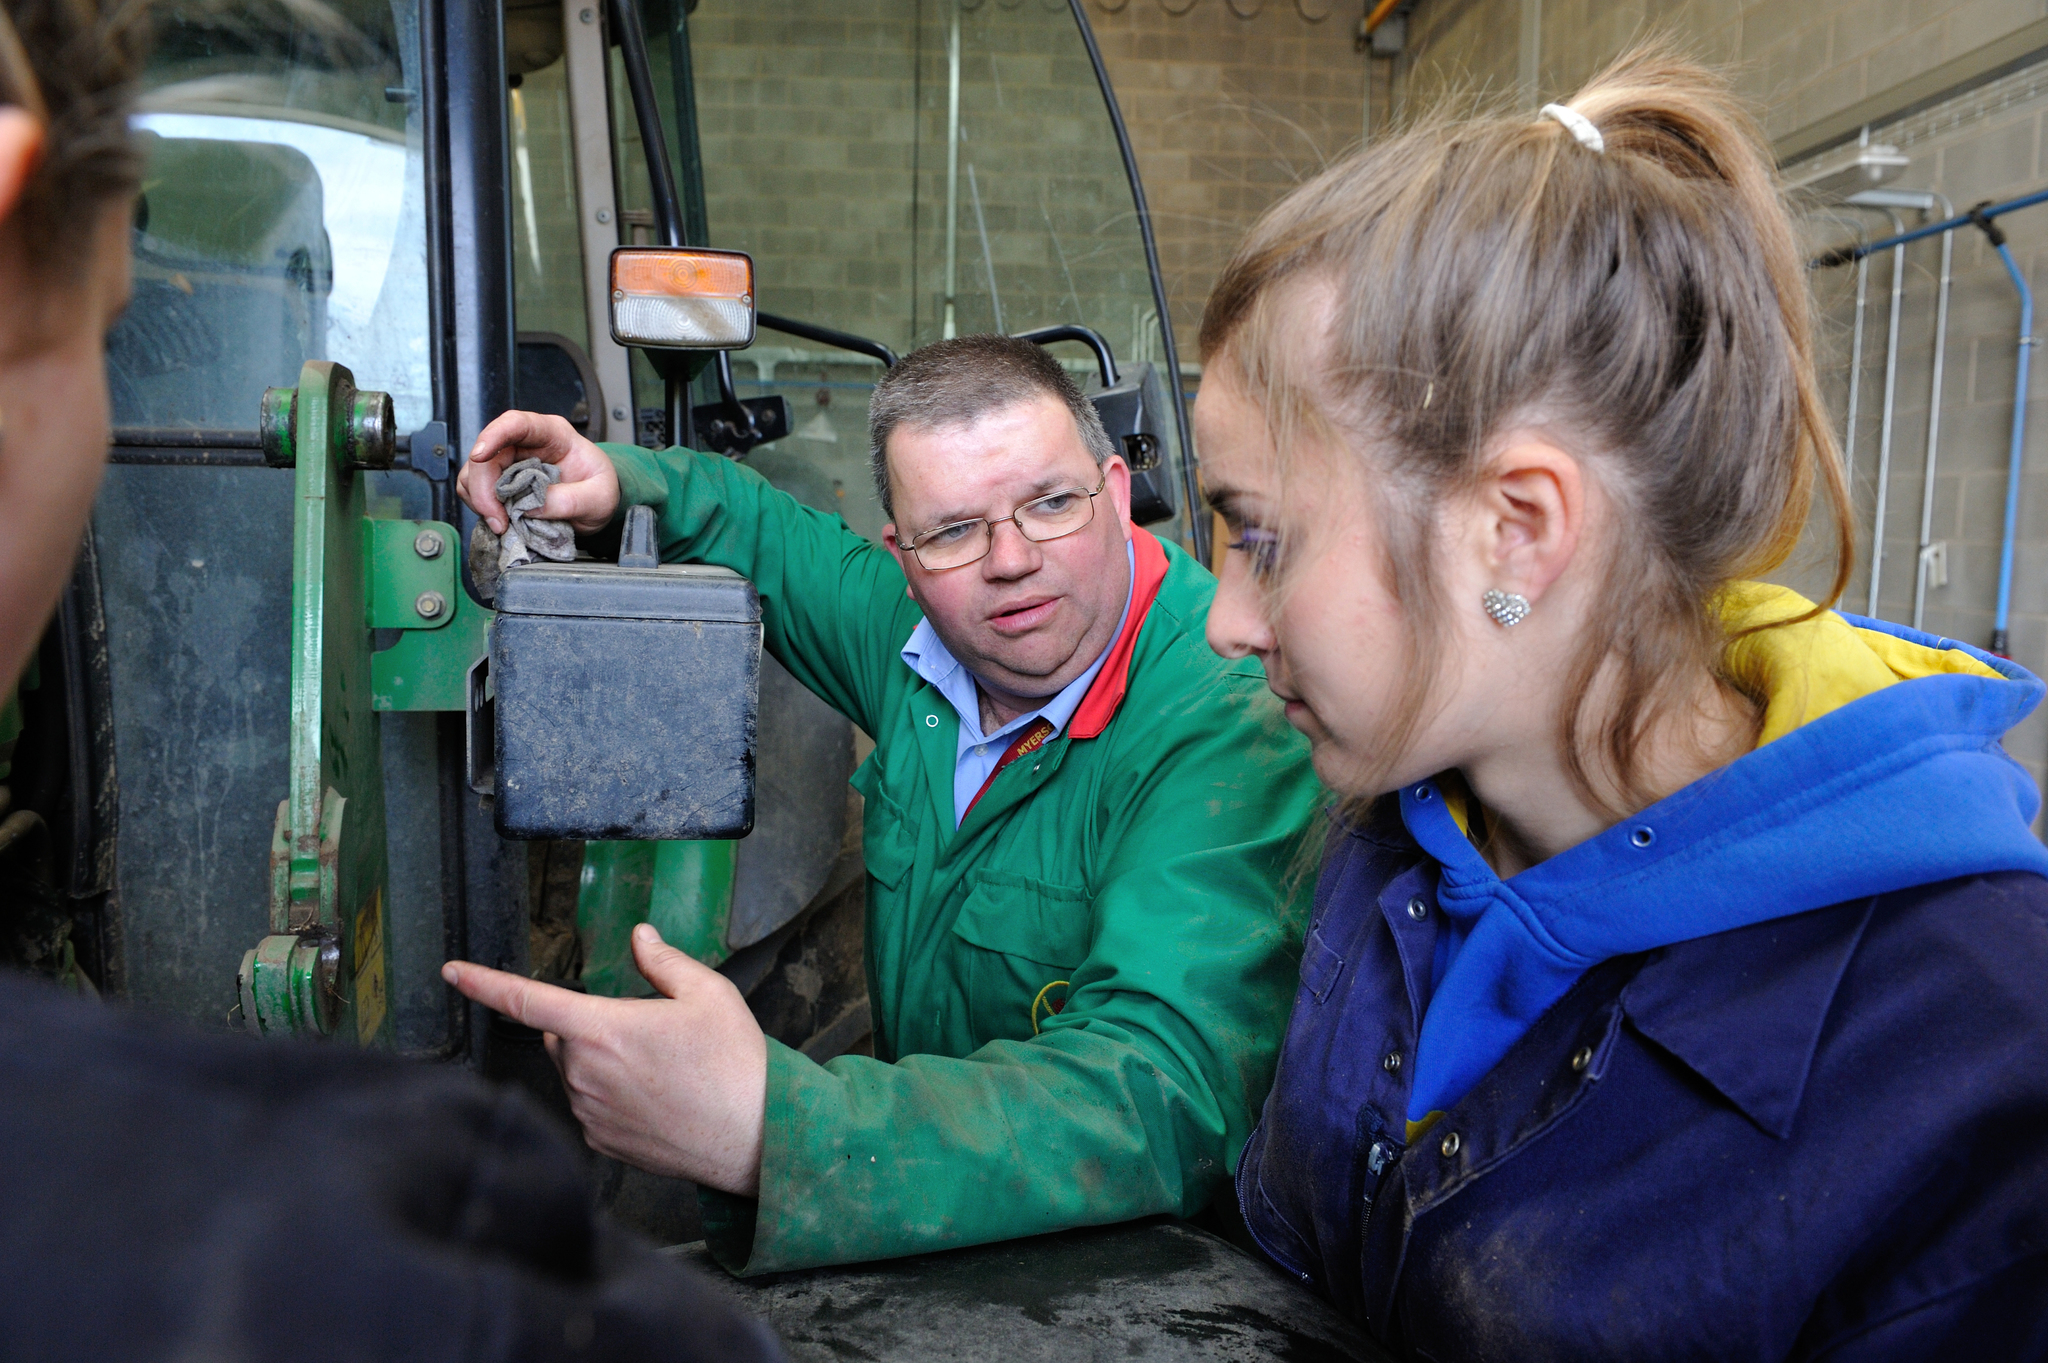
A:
{"points": [[1088, 336], [838, 340]]}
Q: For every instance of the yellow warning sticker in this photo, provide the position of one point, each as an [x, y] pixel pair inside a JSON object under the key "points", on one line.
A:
{"points": [[369, 967]]}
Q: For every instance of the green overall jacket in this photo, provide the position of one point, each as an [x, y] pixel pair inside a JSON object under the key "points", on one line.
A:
{"points": [[1078, 993]]}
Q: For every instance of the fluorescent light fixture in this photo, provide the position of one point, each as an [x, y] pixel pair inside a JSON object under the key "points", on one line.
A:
{"points": [[1856, 169]]}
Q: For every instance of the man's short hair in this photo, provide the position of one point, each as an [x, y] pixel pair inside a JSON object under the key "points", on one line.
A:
{"points": [[953, 383]]}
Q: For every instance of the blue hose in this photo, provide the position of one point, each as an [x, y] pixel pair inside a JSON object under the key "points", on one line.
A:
{"points": [[2000, 636]]}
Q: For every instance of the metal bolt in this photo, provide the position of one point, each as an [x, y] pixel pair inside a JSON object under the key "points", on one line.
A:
{"points": [[1417, 910], [586, 16], [427, 544], [430, 605], [1392, 1064], [618, 414], [604, 215], [1450, 1145], [1581, 1058]]}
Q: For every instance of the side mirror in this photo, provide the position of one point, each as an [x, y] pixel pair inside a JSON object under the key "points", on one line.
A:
{"points": [[682, 298]]}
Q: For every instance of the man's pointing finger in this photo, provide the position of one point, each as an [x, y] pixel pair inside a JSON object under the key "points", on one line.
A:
{"points": [[542, 1007]]}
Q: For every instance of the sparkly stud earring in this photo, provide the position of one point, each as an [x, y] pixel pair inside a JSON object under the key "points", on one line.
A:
{"points": [[1508, 609]]}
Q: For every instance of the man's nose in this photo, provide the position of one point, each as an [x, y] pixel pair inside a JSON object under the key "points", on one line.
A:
{"points": [[1010, 554]]}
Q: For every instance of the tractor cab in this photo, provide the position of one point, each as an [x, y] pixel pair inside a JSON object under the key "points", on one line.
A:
{"points": [[266, 744]]}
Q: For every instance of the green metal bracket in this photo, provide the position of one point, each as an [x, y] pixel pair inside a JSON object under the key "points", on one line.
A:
{"points": [[326, 965], [412, 573], [416, 586]]}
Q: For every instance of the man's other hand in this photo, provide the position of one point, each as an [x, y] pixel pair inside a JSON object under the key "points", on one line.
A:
{"points": [[588, 495], [675, 1085]]}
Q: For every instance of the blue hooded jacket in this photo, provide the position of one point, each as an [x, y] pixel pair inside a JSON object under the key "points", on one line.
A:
{"points": [[1759, 1073], [1902, 785]]}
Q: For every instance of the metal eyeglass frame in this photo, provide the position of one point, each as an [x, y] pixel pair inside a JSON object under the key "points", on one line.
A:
{"points": [[988, 525]]}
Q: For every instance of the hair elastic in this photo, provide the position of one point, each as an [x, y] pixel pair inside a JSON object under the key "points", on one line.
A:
{"points": [[1577, 124]]}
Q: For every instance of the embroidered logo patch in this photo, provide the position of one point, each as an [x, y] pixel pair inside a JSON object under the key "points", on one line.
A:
{"points": [[1049, 1002]]}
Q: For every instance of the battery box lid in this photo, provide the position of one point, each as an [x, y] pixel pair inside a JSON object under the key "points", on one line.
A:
{"points": [[604, 591]]}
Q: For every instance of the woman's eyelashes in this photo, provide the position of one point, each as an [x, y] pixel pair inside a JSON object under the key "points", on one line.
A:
{"points": [[1261, 547]]}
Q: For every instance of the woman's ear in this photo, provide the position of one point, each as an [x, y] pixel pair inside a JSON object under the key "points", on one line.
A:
{"points": [[1534, 501], [21, 147]]}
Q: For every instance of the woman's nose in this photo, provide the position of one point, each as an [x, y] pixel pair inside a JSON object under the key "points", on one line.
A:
{"points": [[1238, 623]]}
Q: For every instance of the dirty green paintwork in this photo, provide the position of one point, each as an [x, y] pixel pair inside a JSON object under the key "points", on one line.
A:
{"points": [[1147, 878], [428, 668], [328, 863], [683, 888], [406, 586]]}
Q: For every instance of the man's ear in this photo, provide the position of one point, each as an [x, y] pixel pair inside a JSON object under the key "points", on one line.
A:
{"points": [[902, 557], [1117, 476], [1533, 512], [21, 148]]}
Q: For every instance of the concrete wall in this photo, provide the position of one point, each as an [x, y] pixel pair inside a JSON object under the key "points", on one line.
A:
{"points": [[1227, 113], [1804, 65], [1801, 62]]}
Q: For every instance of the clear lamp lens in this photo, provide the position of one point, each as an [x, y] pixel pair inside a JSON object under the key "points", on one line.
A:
{"points": [[693, 323]]}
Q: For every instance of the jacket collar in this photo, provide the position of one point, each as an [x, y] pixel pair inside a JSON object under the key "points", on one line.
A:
{"points": [[1100, 705], [1744, 1009]]}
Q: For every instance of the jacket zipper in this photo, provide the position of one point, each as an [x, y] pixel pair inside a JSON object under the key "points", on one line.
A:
{"points": [[1379, 1159]]}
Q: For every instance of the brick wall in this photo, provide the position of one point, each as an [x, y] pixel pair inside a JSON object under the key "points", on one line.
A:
{"points": [[1801, 62], [1226, 113]]}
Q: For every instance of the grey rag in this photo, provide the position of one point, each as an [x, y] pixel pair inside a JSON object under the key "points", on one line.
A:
{"points": [[523, 489]]}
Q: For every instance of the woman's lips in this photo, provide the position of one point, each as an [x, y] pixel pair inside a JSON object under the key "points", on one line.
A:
{"points": [[1023, 618]]}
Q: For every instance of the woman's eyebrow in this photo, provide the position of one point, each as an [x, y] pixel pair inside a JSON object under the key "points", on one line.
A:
{"points": [[1223, 500]]}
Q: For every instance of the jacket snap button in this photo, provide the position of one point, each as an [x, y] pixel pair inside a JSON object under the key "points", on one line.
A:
{"points": [[1417, 910], [1581, 1058], [1450, 1145], [1392, 1064]]}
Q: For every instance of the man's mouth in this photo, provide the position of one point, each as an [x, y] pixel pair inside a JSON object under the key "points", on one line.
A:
{"points": [[1021, 617]]}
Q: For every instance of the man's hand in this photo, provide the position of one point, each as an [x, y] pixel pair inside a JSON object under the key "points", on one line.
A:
{"points": [[588, 495], [675, 1085]]}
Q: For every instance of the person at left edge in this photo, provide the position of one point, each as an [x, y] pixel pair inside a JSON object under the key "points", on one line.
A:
{"points": [[1080, 962]]}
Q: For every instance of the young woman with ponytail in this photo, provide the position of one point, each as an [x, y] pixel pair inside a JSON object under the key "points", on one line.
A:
{"points": [[1678, 978]]}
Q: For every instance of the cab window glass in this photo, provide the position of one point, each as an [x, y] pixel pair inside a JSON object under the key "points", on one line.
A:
{"points": [[282, 214], [826, 137]]}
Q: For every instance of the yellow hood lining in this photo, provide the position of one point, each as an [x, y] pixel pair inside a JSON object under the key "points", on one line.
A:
{"points": [[1806, 670]]}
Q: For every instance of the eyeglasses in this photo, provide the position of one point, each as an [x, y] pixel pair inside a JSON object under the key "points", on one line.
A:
{"points": [[1038, 520]]}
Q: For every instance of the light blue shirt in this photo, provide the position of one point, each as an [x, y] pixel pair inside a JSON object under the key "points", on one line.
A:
{"points": [[927, 656]]}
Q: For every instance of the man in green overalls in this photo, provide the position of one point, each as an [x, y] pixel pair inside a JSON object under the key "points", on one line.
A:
{"points": [[1082, 837]]}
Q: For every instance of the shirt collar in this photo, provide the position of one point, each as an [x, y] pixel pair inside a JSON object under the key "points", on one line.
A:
{"points": [[927, 655]]}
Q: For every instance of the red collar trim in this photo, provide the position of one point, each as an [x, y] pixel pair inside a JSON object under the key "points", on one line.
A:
{"points": [[1099, 706]]}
